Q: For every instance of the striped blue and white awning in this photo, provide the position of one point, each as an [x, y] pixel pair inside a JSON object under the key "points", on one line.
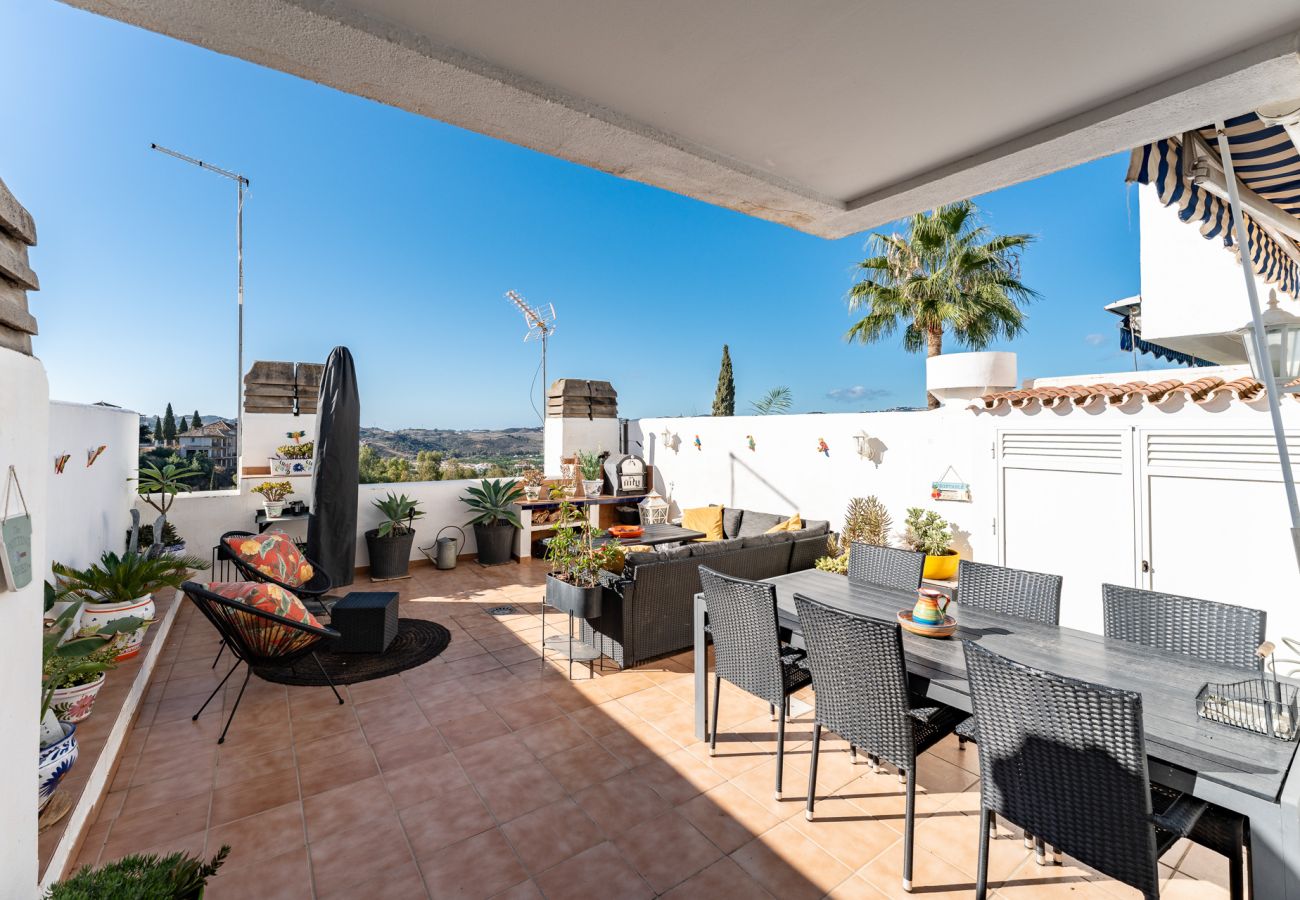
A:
{"points": [[1266, 161]]}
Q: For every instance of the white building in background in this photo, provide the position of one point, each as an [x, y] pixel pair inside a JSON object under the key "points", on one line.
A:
{"points": [[218, 441]]}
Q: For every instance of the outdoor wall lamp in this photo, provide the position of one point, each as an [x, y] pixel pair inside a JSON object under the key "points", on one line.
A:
{"points": [[1282, 339]]}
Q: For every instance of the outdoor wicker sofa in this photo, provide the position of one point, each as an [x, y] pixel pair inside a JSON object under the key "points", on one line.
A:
{"points": [[646, 610]]}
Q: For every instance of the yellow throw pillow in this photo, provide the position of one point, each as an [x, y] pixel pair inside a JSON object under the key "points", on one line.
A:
{"points": [[705, 518], [794, 523]]}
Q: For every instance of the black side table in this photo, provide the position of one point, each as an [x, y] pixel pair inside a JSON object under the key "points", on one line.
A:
{"points": [[366, 621]]}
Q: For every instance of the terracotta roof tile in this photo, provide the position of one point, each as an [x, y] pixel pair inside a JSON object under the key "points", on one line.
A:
{"points": [[1199, 390]]}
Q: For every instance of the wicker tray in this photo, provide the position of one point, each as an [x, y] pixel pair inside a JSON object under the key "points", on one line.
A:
{"points": [[1259, 705]]}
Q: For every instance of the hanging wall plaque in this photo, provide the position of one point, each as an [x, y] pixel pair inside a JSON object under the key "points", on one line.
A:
{"points": [[953, 489], [15, 539]]}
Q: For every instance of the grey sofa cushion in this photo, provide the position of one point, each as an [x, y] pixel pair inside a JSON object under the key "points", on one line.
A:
{"points": [[641, 558], [731, 519], [753, 523], [767, 540], [813, 527], [712, 548]]}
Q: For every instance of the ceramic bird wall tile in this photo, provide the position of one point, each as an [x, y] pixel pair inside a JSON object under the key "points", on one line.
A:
{"points": [[749, 439], [698, 445], [823, 447]]}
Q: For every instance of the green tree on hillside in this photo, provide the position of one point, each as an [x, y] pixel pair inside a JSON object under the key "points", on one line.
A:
{"points": [[197, 421], [945, 271], [157, 428], [724, 398], [169, 425], [428, 465]]}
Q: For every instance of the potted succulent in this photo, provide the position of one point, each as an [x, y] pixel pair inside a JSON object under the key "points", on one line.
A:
{"points": [[533, 481], [573, 584], [591, 468], [159, 487], [866, 520], [121, 587], [293, 459], [390, 543], [273, 494], [495, 520], [927, 532], [178, 876]]}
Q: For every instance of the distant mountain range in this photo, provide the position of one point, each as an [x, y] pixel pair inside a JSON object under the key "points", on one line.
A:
{"points": [[465, 445]]}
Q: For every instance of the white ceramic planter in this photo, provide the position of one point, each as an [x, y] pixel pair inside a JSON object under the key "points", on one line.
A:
{"points": [[591, 488], [73, 704], [97, 615], [55, 761], [273, 508], [280, 466]]}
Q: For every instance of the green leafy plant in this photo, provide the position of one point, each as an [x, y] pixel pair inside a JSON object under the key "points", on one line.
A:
{"points": [[926, 532], [120, 579], [837, 564], [297, 451], [274, 491], [775, 402], [492, 502], [159, 486], [573, 553], [81, 658], [170, 536], [400, 513], [590, 465], [178, 876], [867, 521]]}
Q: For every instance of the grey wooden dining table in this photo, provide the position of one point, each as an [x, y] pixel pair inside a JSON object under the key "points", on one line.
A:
{"points": [[1238, 770]]}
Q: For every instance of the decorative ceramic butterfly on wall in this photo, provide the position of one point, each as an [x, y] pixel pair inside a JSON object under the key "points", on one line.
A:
{"points": [[92, 455], [60, 461], [295, 435]]}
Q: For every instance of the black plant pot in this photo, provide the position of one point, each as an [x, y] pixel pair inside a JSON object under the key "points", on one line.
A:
{"points": [[496, 544], [583, 602], [390, 557]]}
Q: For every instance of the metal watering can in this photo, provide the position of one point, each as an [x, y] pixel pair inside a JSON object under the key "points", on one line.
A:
{"points": [[445, 549]]}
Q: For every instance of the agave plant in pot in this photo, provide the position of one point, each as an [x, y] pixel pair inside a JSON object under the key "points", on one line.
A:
{"points": [[122, 587], [494, 518], [926, 532], [390, 543], [576, 559]]}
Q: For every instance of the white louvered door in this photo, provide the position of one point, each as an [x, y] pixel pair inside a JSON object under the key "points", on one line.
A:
{"points": [[1066, 505], [1215, 522]]}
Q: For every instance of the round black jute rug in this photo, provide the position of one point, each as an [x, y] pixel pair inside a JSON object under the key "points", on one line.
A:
{"points": [[416, 643]]}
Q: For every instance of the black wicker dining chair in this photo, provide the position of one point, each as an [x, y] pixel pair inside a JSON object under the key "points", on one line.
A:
{"points": [[261, 641], [1220, 633], [1066, 760], [862, 695], [886, 566], [748, 651]]}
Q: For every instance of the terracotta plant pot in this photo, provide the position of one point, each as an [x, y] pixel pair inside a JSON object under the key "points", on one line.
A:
{"points": [[73, 704], [941, 568], [97, 615]]}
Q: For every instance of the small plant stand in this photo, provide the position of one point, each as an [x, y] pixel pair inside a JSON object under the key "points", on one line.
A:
{"points": [[571, 648]]}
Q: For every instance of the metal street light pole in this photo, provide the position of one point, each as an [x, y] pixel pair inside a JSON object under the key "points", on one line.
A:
{"points": [[241, 184]]}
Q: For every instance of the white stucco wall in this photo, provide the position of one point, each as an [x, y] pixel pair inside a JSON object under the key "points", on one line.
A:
{"points": [[263, 432], [90, 506], [564, 437], [24, 444], [1190, 285]]}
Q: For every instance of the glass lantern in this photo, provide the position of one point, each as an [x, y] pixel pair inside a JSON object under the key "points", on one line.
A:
{"points": [[654, 510], [1282, 338]]}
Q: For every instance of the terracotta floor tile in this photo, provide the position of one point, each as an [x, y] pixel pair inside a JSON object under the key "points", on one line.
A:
{"points": [[346, 808], [150, 794], [396, 752], [479, 867], [323, 773], [724, 880], [728, 817], [930, 875], [283, 877], [490, 758], [355, 857], [621, 803], [386, 719], [678, 776], [666, 850], [133, 832], [247, 798], [324, 724], [260, 836], [471, 729], [548, 836], [275, 762], [789, 865], [600, 873], [447, 819], [846, 832], [551, 737], [530, 711], [520, 789], [857, 888], [582, 766]]}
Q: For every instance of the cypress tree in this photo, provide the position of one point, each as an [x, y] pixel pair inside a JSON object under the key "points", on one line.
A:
{"points": [[157, 429], [169, 424], [197, 421], [724, 399]]}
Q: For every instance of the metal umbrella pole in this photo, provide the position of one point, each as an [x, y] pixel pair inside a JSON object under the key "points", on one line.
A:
{"points": [[1257, 334], [241, 184]]}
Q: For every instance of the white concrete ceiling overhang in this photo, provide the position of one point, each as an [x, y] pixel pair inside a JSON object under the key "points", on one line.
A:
{"points": [[832, 116]]}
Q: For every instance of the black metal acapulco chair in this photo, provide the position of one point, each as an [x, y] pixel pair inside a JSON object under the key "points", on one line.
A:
{"points": [[748, 651], [862, 695], [887, 566], [310, 594], [1066, 760], [260, 640]]}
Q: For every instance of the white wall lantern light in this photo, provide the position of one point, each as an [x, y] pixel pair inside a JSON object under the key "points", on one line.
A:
{"points": [[1282, 339]]}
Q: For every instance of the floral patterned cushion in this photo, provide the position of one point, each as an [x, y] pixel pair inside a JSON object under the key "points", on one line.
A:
{"points": [[274, 555], [267, 597]]}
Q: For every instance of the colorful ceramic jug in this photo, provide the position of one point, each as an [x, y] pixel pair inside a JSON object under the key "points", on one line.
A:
{"points": [[931, 607]]}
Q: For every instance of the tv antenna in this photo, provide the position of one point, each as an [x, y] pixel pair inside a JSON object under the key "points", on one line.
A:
{"points": [[541, 325]]}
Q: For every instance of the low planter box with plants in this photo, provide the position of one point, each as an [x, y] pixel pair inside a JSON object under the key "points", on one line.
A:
{"points": [[867, 521], [576, 560], [390, 544], [495, 519], [293, 459], [273, 496]]}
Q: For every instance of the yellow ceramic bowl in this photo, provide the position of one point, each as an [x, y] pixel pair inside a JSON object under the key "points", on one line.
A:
{"points": [[941, 568]]}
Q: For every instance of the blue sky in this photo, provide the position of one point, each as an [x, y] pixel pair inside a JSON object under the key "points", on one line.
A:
{"points": [[397, 236]]}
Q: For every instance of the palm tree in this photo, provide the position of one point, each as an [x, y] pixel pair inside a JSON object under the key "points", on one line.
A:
{"points": [[946, 271], [775, 402]]}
